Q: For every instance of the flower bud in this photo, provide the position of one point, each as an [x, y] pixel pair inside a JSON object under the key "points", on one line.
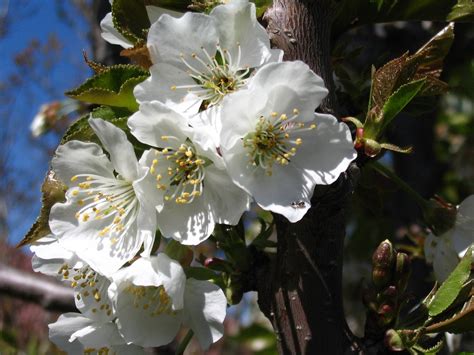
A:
{"points": [[402, 271], [371, 147], [393, 340], [439, 215], [217, 264], [382, 264], [234, 291], [386, 313]]}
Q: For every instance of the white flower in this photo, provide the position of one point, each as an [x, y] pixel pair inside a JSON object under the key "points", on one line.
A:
{"points": [[153, 299], [110, 211], [113, 36], [90, 288], [198, 58], [77, 334], [446, 250], [274, 145], [195, 188]]}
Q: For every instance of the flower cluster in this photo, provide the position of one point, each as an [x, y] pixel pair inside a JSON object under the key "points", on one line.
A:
{"points": [[225, 123]]}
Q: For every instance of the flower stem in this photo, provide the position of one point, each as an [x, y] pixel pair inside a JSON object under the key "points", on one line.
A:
{"points": [[184, 343], [423, 203]]}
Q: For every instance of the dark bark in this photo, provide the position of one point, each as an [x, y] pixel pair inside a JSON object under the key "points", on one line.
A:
{"points": [[301, 290]]}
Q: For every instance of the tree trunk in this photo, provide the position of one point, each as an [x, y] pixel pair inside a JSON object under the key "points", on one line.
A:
{"points": [[301, 291]]}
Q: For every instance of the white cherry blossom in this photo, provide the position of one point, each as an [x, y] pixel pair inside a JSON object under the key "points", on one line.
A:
{"points": [[77, 334], [199, 59], [110, 211], [153, 300], [195, 189], [445, 251], [90, 288], [274, 145]]}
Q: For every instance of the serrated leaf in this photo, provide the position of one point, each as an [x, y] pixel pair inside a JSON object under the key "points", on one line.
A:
{"points": [[113, 87], [451, 287], [384, 80], [174, 5], [401, 80], [432, 54], [52, 191], [398, 100], [430, 351], [130, 18], [462, 11], [80, 129]]}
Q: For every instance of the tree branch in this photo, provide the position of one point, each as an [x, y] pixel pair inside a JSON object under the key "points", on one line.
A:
{"points": [[301, 291], [50, 295]]}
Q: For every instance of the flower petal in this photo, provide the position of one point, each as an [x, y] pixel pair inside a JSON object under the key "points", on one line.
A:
{"points": [[120, 149], [228, 201], [75, 157], [110, 33], [154, 122], [287, 191], [205, 310], [189, 223], [326, 151], [308, 87], [169, 38], [465, 215], [98, 335], [237, 23], [64, 327], [163, 86], [156, 271], [139, 327], [102, 253]]}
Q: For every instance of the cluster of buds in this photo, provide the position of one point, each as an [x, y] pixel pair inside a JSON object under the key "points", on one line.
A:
{"points": [[390, 273]]}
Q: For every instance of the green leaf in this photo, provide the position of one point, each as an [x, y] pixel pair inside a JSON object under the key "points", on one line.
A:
{"points": [[80, 129], [398, 100], [113, 87], [432, 350], [462, 11], [451, 287], [204, 274], [261, 240], [177, 251], [175, 5], [131, 19], [461, 322], [262, 6], [52, 191]]}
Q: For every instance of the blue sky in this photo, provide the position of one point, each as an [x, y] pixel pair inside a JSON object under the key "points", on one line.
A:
{"points": [[27, 20]]}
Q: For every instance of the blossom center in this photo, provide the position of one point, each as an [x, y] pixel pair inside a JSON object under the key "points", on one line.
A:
{"points": [[88, 285], [152, 299], [112, 200], [274, 140], [214, 76], [185, 173]]}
